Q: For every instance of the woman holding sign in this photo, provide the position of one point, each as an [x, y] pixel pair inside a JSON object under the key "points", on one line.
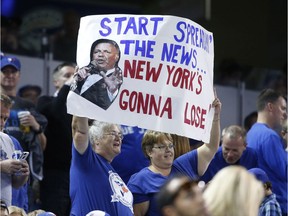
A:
{"points": [[159, 149], [94, 184]]}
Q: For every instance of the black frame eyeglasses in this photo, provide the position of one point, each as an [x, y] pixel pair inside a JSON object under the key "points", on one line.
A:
{"points": [[163, 147]]}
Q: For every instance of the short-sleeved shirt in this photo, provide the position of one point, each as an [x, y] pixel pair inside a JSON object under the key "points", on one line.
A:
{"points": [[145, 184], [131, 159], [272, 158], [94, 184], [248, 160]]}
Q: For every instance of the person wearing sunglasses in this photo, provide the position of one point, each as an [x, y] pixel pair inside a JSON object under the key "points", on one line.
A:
{"points": [[158, 147], [181, 196]]}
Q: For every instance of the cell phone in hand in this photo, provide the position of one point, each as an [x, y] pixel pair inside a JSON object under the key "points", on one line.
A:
{"points": [[24, 155]]}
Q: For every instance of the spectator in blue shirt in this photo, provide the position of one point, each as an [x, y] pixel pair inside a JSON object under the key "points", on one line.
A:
{"points": [[233, 151], [272, 157], [269, 205]]}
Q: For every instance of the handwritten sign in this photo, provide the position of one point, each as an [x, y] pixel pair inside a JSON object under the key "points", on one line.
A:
{"points": [[167, 67]]}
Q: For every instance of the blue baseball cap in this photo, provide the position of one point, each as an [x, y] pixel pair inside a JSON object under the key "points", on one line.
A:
{"points": [[259, 174], [10, 61]]}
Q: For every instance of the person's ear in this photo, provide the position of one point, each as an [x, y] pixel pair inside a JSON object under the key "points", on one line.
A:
{"points": [[270, 107], [55, 82], [149, 153], [95, 145]]}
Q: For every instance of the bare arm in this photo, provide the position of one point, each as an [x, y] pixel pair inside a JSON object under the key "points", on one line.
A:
{"points": [[141, 209], [43, 140], [207, 151], [80, 134]]}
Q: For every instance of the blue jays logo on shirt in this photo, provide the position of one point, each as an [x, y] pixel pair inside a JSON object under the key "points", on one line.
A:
{"points": [[121, 193]]}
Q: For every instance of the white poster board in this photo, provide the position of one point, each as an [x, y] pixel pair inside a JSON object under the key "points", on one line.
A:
{"points": [[167, 68]]}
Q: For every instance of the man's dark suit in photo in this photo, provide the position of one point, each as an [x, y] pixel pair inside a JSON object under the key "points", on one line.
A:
{"points": [[99, 82]]}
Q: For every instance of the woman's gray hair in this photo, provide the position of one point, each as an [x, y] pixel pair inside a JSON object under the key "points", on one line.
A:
{"points": [[98, 128]]}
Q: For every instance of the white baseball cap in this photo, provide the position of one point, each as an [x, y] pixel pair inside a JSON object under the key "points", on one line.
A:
{"points": [[97, 213]]}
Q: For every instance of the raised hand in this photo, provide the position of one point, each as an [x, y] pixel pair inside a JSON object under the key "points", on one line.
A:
{"points": [[113, 81], [81, 73], [216, 104]]}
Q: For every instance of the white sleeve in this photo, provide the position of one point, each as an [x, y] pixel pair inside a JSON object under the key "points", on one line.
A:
{"points": [[112, 96]]}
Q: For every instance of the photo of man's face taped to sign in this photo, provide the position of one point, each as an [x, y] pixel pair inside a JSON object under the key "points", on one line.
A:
{"points": [[100, 80]]}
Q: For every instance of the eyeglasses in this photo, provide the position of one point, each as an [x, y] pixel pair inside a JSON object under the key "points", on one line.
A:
{"points": [[164, 147], [114, 134]]}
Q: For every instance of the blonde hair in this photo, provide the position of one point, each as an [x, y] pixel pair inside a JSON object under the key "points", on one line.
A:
{"points": [[14, 209], [35, 212], [6, 101], [234, 192]]}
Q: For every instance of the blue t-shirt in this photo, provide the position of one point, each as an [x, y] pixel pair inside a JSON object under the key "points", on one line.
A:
{"points": [[145, 184], [95, 185], [272, 158], [20, 195], [248, 160], [131, 159]]}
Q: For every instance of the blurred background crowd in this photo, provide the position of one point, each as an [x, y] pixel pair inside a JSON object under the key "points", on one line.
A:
{"points": [[250, 54], [250, 37]]}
